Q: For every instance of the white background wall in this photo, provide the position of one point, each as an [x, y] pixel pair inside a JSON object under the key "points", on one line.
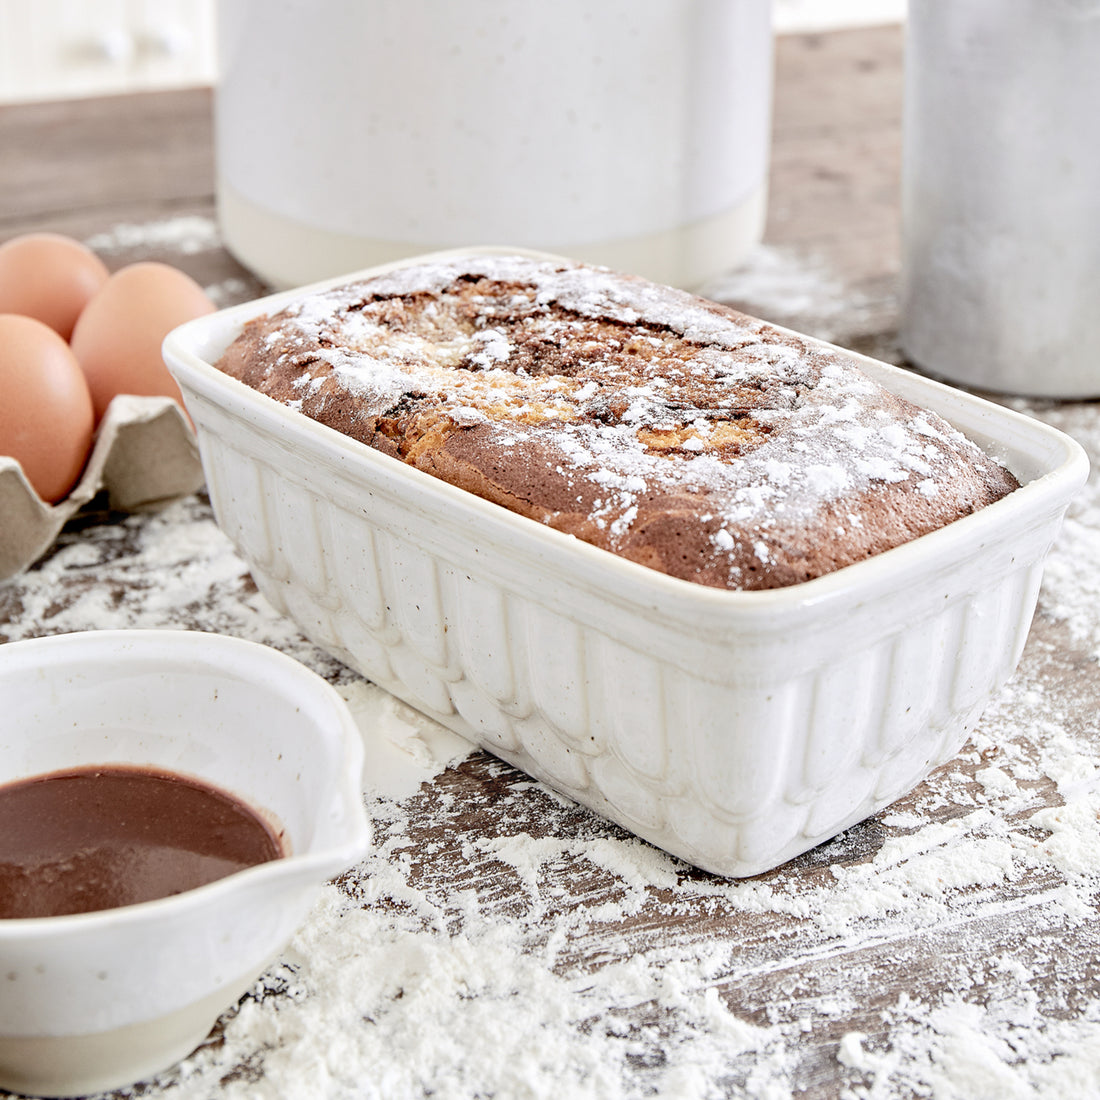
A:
{"points": [[814, 15], [55, 49]]}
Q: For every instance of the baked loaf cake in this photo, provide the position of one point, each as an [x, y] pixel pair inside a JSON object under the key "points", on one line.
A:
{"points": [[660, 426]]}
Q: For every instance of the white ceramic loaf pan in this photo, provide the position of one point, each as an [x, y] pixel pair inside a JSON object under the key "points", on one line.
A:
{"points": [[733, 729]]}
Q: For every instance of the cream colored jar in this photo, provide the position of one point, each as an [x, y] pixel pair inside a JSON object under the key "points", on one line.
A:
{"points": [[633, 133]]}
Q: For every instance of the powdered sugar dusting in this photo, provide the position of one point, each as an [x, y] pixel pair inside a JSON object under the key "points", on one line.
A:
{"points": [[653, 394]]}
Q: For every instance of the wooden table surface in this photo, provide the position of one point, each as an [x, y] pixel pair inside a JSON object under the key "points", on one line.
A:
{"points": [[945, 947]]}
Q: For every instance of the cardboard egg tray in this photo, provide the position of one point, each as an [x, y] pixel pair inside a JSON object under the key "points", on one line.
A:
{"points": [[144, 453]]}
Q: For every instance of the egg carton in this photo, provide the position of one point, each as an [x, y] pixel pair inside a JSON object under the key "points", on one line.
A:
{"points": [[144, 453]]}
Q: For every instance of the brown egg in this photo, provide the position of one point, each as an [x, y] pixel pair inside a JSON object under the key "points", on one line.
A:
{"points": [[118, 336], [49, 277], [46, 418]]}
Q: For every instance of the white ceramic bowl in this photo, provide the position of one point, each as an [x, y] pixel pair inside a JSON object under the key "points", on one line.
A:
{"points": [[733, 729], [98, 1000]]}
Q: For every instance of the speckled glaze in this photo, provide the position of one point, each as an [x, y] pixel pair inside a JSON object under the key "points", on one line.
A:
{"points": [[732, 729]]}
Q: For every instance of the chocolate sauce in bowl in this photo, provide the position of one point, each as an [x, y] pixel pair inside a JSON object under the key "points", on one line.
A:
{"points": [[92, 838]]}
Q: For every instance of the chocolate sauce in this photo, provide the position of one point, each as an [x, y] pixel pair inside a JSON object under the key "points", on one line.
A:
{"points": [[91, 838]]}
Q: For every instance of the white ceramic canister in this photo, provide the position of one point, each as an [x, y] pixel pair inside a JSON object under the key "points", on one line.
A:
{"points": [[633, 133], [1001, 194]]}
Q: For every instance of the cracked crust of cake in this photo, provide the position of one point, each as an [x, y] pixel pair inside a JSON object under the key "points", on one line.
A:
{"points": [[659, 426]]}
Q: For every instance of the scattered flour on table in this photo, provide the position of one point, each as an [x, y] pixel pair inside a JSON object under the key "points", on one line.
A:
{"points": [[1071, 579], [402, 990], [398, 986], [228, 292], [185, 234], [780, 283], [403, 747]]}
